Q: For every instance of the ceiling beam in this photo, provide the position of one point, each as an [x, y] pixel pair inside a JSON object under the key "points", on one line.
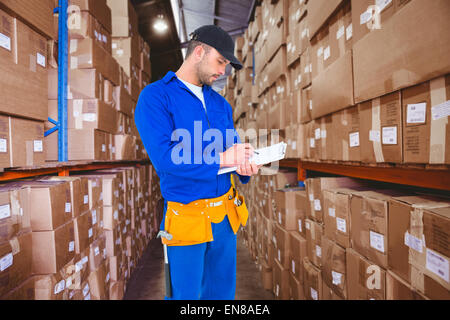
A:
{"points": [[146, 4]]}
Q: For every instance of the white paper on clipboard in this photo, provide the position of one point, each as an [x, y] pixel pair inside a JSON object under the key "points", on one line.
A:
{"points": [[265, 156]]}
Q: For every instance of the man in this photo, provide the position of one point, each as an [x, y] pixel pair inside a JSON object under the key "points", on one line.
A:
{"points": [[202, 254]]}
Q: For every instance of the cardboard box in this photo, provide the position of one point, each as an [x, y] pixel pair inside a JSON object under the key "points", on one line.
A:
{"points": [[297, 292], [397, 289], [381, 129], [314, 233], [288, 208], [366, 280], [306, 105], [113, 242], [116, 290], [86, 114], [417, 245], [14, 212], [23, 56], [328, 293], [277, 67], [97, 253], [87, 54], [36, 13], [83, 84], [15, 262], [346, 126], [124, 18], [4, 142], [341, 32], [337, 214], [306, 67], [370, 222], [53, 249], [402, 58], [79, 193], [98, 9], [334, 272], [324, 131], [84, 232], [50, 287], [87, 144], [124, 103], [280, 240], [313, 281], [87, 26], [314, 190], [125, 147], [25, 291], [320, 52], [280, 282], [319, 12], [26, 143], [297, 251], [99, 283], [426, 133], [332, 89]]}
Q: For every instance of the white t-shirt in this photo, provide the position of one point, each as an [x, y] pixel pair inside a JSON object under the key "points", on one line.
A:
{"points": [[198, 91]]}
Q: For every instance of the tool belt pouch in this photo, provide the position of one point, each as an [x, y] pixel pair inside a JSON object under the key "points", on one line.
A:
{"points": [[187, 226], [241, 209]]}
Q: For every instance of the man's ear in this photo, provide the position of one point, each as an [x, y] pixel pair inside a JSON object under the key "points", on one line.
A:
{"points": [[199, 52]]}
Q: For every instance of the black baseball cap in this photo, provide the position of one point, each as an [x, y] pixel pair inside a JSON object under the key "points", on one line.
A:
{"points": [[220, 40]]}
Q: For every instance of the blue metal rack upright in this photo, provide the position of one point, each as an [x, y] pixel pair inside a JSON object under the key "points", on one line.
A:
{"points": [[61, 124]]}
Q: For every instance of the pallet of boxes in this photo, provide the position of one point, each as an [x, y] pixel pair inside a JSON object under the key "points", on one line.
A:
{"points": [[343, 87], [88, 232]]}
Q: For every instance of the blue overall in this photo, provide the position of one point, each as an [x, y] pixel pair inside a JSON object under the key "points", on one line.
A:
{"points": [[208, 270]]}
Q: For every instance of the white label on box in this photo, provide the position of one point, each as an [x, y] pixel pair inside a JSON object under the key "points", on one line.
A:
{"points": [[294, 145], [5, 211], [88, 297], [312, 143], [38, 146], [73, 63], [107, 277], [320, 52], [293, 266], [86, 199], [68, 207], [323, 134], [377, 241], [279, 255], [116, 215], [317, 133], [60, 286], [327, 53], [90, 233], [71, 246], [441, 111], [6, 262], [114, 45], [307, 225], [69, 282], [413, 242], [318, 251], [437, 264], [41, 60], [337, 277], [84, 260], [94, 216], [314, 294], [390, 135], [349, 32], [310, 105], [89, 117], [354, 139], [332, 212], [277, 290], [311, 197], [375, 135], [279, 217], [340, 32], [317, 206], [103, 148], [416, 113], [96, 251], [3, 145], [365, 17], [299, 225], [341, 225], [5, 42]]}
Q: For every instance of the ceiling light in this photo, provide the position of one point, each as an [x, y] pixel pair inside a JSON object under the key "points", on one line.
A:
{"points": [[160, 24]]}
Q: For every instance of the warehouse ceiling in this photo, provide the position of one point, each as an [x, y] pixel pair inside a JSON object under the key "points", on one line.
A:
{"points": [[183, 17]]}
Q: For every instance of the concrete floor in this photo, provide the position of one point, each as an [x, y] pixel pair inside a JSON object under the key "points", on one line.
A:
{"points": [[147, 280]]}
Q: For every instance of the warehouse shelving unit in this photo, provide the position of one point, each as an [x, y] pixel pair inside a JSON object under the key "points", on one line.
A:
{"points": [[417, 176], [63, 167]]}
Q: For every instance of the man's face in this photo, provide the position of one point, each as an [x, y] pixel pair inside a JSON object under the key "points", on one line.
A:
{"points": [[211, 67]]}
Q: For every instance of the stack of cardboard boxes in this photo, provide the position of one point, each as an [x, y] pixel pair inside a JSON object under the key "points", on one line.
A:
{"points": [[105, 80], [83, 240], [346, 239], [342, 85]]}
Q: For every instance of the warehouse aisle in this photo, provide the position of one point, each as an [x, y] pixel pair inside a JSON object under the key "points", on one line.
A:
{"points": [[147, 280]]}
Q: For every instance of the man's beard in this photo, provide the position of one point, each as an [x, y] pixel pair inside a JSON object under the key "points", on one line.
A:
{"points": [[204, 77]]}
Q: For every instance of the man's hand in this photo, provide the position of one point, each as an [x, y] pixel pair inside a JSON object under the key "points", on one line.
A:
{"points": [[236, 155], [248, 169]]}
